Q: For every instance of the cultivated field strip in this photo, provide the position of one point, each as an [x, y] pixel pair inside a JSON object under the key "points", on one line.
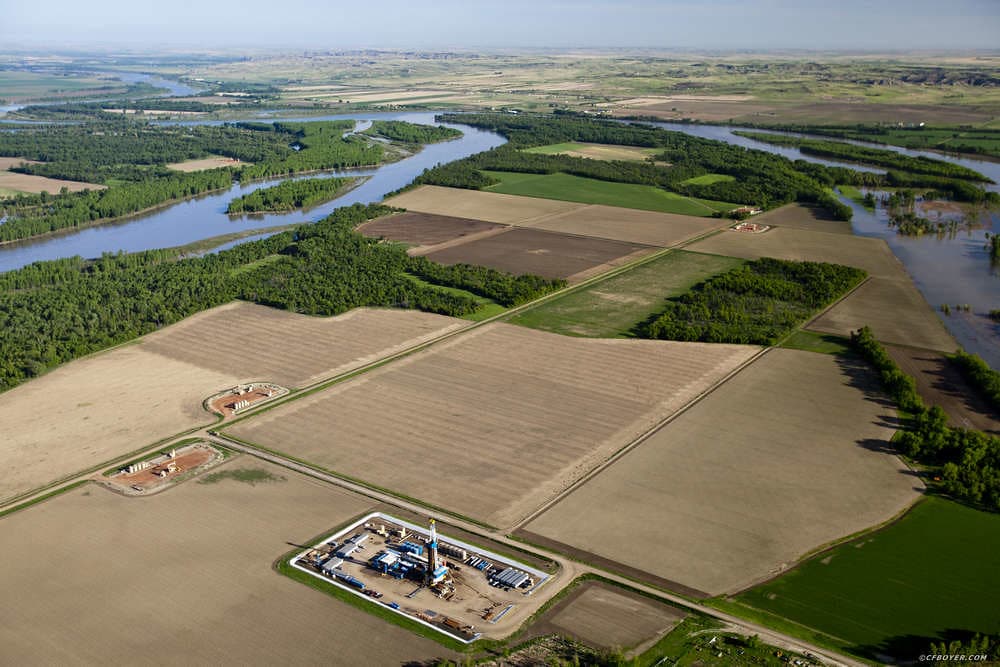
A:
{"points": [[186, 578], [872, 255], [596, 220], [784, 457], [496, 422], [806, 218], [895, 310], [628, 224], [489, 206], [97, 408], [424, 229], [538, 252], [260, 343]]}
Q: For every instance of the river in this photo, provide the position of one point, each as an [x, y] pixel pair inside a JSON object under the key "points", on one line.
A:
{"points": [[947, 269], [951, 269], [205, 216]]}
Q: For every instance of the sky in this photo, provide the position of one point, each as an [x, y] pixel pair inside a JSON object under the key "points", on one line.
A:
{"points": [[874, 25]]}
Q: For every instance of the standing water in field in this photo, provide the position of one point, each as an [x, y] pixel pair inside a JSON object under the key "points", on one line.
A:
{"points": [[949, 269]]}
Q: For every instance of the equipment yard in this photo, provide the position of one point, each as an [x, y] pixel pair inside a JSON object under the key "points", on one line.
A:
{"points": [[157, 473], [242, 397], [449, 585], [788, 455], [517, 414]]}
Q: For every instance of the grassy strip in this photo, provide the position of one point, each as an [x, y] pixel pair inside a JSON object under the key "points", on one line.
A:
{"points": [[485, 309], [811, 341], [565, 187], [50, 494]]}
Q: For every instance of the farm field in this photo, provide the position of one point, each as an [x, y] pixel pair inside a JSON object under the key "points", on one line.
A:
{"points": [[489, 206], [517, 414], [781, 459], [806, 218], [567, 187], [614, 306], [888, 302], [596, 151], [627, 224], [97, 408], [940, 382], [609, 222], [606, 617], [21, 86], [290, 349], [425, 229], [114, 402], [895, 310], [543, 253], [872, 255], [709, 179], [895, 591], [31, 183], [185, 575], [212, 162]]}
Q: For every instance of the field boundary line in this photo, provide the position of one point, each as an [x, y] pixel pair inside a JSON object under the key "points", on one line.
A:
{"points": [[628, 447]]}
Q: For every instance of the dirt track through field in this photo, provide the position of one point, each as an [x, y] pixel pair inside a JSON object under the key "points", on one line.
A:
{"points": [[786, 456], [185, 577], [496, 422]]}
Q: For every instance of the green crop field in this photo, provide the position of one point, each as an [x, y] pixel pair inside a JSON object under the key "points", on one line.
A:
{"points": [[611, 308], [565, 187], [932, 574], [708, 179]]}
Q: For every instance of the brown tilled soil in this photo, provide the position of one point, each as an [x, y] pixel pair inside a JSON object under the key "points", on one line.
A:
{"points": [[627, 224], [491, 206], [547, 254], [606, 617], [495, 422], [185, 577], [788, 455], [939, 382], [424, 229]]}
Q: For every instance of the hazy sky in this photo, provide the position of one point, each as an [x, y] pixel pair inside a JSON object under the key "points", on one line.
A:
{"points": [[334, 24]]}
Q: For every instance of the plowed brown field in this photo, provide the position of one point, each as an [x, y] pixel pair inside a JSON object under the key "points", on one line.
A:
{"points": [[494, 423], [786, 456], [184, 577], [547, 254]]}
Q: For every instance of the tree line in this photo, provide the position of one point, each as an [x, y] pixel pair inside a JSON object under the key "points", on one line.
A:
{"points": [[968, 460], [412, 133], [877, 157], [979, 374], [290, 195], [53, 312], [758, 302]]}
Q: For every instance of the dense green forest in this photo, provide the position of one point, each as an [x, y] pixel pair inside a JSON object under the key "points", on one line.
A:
{"points": [[836, 150], [52, 312], [980, 375], [758, 302], [290, 195], [760, 178], [969, 460], [130, 158], [411, 133], [975, 140]]}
